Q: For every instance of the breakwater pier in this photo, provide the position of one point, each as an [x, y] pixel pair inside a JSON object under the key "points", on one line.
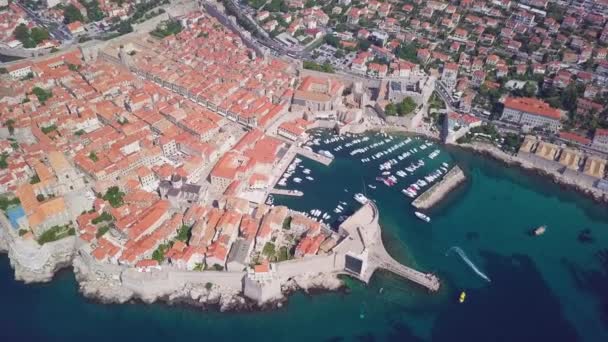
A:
{"points": [[365, 253], [439, 190]]}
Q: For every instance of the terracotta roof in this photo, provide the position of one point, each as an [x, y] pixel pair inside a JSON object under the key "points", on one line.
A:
{"points": [[532, 106]]}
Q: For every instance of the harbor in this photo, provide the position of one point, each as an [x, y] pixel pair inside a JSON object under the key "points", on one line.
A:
{"points": [[524, 271]]}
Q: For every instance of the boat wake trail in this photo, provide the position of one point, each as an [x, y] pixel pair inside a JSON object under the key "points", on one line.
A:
{"points": [[464, 257]]}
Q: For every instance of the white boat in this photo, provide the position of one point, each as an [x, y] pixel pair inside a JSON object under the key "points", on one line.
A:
{"points": [[422, 216], [409, 192], [297, 180], [306, 171], [326, 153], [359, 197], [372, 186], [309, 178]]}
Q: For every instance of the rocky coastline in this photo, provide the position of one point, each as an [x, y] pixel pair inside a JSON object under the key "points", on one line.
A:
{"points": [[111, 284], [558, 178]]}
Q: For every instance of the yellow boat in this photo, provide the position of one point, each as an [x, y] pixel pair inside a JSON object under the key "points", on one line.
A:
{"points": [[463, 296]]}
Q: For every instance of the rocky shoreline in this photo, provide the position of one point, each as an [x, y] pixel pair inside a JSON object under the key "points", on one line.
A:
{"points": [[110, 284], [438, 191], [558, 178]]}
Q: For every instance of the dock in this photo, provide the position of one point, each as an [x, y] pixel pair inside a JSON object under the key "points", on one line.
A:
{"points": [[364, 251], [439, 190], [314, 156], [284, 192]]}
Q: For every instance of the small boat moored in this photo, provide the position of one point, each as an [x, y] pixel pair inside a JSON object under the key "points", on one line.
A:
{"points": [[422, 216], [463, 297]]}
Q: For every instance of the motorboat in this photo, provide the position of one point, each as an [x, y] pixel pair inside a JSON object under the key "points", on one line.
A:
{"points": [[422, 216]]}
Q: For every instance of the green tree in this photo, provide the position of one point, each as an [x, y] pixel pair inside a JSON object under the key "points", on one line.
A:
{"points": [[529, 89], [3, 162], [269, 249], [21, 32], [42, 94], [72, 14], [125, 27], [94, 13], [364, 44], [114, 196], [568, 97], [406, 106], [39, 35], [390, 109], [183, 234]]}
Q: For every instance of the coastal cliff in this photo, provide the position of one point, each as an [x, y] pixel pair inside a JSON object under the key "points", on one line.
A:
{"points": [[113, 284], [32, 262]]}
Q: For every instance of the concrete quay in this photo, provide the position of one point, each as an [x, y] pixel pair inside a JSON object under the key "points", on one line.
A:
{"points": [[294, 193], [439, 190], [314, 156], [364, 251]]}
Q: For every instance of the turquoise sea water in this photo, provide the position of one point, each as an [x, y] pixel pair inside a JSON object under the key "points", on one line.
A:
{"points": [[548, 288]]}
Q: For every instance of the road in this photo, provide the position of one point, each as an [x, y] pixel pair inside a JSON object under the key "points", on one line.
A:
{"points": [[60, 33]]}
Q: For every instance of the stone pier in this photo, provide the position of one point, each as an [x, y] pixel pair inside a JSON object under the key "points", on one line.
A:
{"points": [[364, 251]]}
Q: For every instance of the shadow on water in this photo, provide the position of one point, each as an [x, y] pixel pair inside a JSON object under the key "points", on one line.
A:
{"points": [[522, 307], [594, 281]]}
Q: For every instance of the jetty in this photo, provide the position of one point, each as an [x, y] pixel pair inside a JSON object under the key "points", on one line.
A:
{"points": [[364, 251], [314, 156], [285, 192], [440, 189]]}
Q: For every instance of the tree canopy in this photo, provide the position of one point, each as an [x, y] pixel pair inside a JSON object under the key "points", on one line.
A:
{"points": [[402, 108], [72, 14]]}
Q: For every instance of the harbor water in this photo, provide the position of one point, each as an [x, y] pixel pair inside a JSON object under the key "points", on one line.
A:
{"points": [[546, 288]]}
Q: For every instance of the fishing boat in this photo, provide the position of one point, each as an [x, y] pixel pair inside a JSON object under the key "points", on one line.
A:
{"points": [[463, 296], [422, 216]]}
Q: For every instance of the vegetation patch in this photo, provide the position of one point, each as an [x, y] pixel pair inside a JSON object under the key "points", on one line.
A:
{"points": [[42, 94], [101, 231], [183, 234], [6, 202], [402, 108], [325, 67], [56, 233], [103, 217], [167, 28], [114, 196]]}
